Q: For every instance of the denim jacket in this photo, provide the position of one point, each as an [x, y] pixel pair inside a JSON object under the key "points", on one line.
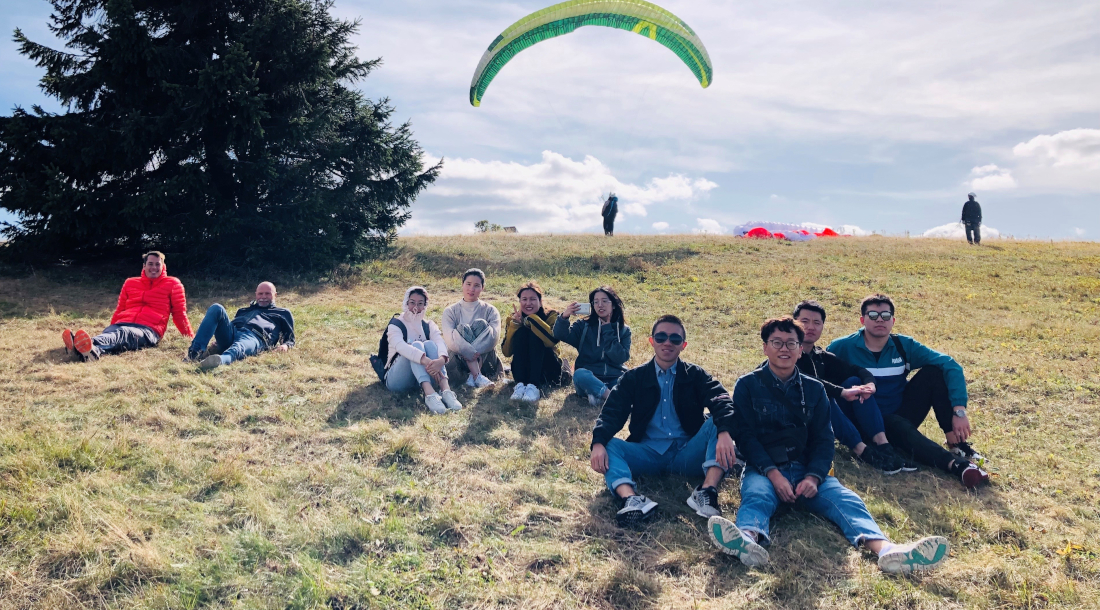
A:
{"points": [[770, 423]]}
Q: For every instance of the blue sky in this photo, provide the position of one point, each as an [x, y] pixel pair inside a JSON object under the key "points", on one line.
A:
{"points": [[881, 115]]}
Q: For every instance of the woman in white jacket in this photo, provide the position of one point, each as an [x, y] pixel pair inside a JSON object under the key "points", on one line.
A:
{"points": [[415, 359]]}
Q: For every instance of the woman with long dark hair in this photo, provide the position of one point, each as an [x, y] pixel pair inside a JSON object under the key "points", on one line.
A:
{"points": [[529, 340], [602, 341]]}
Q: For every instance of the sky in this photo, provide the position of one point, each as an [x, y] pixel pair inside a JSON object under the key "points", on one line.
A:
{"points": [[880, 115]]}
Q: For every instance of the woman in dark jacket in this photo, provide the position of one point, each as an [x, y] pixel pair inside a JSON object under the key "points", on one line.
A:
{"points": [[529, 341], [602, 341]]}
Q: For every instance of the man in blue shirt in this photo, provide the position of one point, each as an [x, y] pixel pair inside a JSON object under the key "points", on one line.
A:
{"points": [[664, 400], [938, 386]]}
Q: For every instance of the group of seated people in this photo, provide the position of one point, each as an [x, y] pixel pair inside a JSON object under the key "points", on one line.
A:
{"points": [[776, 428]]}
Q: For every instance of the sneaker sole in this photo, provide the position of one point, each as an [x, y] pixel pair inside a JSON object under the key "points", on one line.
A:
{"points": [[693, 505], [82, 343], [928, 554], [892, 472], [209, 364], [67, 339], [751, 556]]}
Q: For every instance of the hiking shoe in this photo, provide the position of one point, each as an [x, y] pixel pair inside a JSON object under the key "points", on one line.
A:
{"points": [[193, 356], [964, 451], [704, 501], [732, 541], [518, 394], [907, 465], [435, 404], [972, 476], [635, 510], [211, 362], [924, 554], [67, 339], [531, 393], [450, 400], [481, 381], [82, 343], [877, 458]]}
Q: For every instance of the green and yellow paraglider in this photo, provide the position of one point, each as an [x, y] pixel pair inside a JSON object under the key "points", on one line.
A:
{"points": [[635, 16]]}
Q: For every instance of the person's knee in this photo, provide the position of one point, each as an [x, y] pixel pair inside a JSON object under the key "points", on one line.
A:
{"points": [[430, 348], [217, 310]]}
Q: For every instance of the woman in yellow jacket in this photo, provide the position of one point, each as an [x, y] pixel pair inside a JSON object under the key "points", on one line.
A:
{"points": [[529, 341]]}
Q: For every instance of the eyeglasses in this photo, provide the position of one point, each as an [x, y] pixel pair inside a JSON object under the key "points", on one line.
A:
{"points": [[875, 315], [778, 345], [674, 338]]}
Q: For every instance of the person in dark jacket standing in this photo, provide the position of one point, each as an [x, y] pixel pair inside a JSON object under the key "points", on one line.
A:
{"points": [[602, 341], [257, 328], [665, 400], [780, 420], [972, 219], [609, 212]]}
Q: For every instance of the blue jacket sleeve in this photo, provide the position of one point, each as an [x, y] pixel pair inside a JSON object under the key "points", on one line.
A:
{"points": [[618, 352], [921, 356], [616, 410], [288, 338], [819, 440], [745, 428], [564, 333]]}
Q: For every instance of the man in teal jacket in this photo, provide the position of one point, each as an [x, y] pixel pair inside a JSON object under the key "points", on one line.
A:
{"points": [[939, 386]]}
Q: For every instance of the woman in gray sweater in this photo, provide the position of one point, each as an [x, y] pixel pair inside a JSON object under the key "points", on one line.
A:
{"points": [[471, 330]]}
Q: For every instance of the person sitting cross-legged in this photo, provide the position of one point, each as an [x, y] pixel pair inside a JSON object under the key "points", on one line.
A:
{"points": [[666, 401], [939, 386], [780, 420], [257, 328], [141, 317], [471, 329], [602, 341]]}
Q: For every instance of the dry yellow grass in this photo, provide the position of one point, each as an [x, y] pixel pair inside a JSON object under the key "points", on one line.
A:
{"points": [[294, 481]]}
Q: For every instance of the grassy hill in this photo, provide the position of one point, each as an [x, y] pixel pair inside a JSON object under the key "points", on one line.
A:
{"points": [[295, 481]]}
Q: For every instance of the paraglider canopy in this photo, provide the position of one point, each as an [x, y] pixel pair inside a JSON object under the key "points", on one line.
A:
{"points": [[636, 16]]}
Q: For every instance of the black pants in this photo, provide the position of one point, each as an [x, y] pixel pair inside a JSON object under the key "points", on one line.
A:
{"points": [[925, 391], [118, 338], [608, 225], [974, 232], [533, 362]]}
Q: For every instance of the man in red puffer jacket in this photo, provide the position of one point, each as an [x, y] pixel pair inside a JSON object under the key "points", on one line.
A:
{"points": [[141, 318]]}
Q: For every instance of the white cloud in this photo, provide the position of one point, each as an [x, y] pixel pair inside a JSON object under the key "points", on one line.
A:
{"points": [[554, 194], [1079, 231], [1065, 161], [708, 225], [660, 226], [991, 178], [955, 230]]}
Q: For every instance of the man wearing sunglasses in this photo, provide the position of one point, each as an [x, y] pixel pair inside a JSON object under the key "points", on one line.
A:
{"points": [[781, 421], [665, 401], [938, 386]]}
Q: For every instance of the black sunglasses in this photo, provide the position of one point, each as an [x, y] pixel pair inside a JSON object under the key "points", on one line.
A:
{"points": [[875, 315], [674, 338]]}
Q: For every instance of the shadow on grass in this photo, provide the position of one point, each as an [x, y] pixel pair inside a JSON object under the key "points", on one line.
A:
{"points": [[374, 401], [442, 264]]}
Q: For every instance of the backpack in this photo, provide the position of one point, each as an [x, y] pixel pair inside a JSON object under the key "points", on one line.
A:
{"points": [[378, 361]]}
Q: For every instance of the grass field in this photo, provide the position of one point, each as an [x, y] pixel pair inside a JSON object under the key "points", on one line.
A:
{"points": [[295, 481]]}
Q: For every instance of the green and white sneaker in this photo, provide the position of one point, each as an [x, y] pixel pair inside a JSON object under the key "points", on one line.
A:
{"points": [[924, 554], [732, 541]]}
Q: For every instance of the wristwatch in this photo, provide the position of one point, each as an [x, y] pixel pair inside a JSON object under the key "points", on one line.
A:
{"points": [[960, 412]]}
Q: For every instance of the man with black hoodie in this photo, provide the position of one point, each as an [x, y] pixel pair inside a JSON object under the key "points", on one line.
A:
{"points": [[665, 400], [257, 328], [972, 218]]}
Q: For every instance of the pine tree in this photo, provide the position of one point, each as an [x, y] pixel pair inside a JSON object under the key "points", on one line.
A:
{"points": [[221, 130]]}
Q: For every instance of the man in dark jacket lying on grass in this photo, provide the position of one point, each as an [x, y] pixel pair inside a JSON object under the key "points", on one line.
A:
{"points": [[780, 421], [257, 328], [665, 400]]}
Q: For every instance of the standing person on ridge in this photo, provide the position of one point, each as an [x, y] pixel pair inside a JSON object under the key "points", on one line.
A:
{"points": [[141, 317], [609, 212], [972, 220]]}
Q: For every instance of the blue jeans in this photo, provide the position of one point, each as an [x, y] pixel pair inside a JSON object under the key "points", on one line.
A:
{"points": [[626, 459], [586, 382], [833, 501], [236, 343], [866, 415], [405, 375]]}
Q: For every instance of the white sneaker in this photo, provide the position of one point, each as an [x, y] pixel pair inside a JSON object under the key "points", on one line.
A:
{"points": [[595, 402], [924, 554], [470, 381], [482, 382], [732, 541], [451, 401], [520, 391], [532, 393], [435, 404]]}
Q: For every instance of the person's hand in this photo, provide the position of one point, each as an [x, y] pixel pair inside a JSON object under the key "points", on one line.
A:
{"points": [[282, 348], [851, 394], [570, 310], [807, 487], [782, 486], [725, 451], [870, 389], [517, 317], [434, 367], [599, 458], [960, 426]]}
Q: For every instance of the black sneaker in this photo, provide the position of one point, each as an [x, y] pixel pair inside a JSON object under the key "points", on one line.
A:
{"points": [[193, 356], [907, 464], [963, 450], [704, 501], [888, 462], [635, 510]]}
